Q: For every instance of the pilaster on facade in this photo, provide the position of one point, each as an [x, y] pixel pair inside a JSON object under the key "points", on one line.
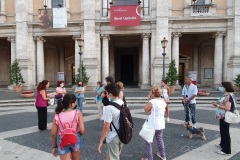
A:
{"points": [[176, 34], [105, 37], [218, 59], [145, 61], [105, 56], [146, 35], [40, 58], [39, 38], [219, 35], [12, 39], [77, 38], [2, 12]]}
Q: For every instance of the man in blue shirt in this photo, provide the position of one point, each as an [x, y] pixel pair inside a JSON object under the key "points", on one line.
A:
{"points": [[189, 93]]}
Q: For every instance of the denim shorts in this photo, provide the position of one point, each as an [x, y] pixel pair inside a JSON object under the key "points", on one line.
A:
{"points": [[72, 148]]}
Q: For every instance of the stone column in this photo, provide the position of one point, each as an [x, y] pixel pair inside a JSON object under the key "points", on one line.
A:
{"points": [[145, 61], [104, 8], [218, 59], [195, 58], [40, 58], [77, 50], [62, 60], [175, 48], [112, 61], [70, 72], [105, 56], [13, 48]]}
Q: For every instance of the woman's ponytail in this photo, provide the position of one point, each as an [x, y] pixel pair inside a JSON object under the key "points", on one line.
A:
{"points": [[59, 107]]}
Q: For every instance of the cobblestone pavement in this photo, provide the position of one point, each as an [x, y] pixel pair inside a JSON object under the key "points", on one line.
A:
{"points": [[20, 138]]}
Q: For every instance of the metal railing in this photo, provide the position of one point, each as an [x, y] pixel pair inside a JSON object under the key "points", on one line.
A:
{"points": [[200, 8]]}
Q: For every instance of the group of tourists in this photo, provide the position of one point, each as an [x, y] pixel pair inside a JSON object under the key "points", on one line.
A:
{"points": [[110, 101]]}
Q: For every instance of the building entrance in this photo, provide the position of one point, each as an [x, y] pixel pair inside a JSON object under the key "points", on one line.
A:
{"points": [[127, 65]]}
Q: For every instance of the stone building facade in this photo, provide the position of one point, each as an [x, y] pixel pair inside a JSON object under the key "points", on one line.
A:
{"points": [[202, 36]]}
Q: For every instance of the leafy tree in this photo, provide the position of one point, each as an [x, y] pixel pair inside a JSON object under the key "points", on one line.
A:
{"points": [[172, 75], [15, 74], [85, 77], [237, 81]]}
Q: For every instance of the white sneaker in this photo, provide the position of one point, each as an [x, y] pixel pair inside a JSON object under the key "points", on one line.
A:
{"points": [[167, 119], [220, 152], [194, 126], [162, 158]]}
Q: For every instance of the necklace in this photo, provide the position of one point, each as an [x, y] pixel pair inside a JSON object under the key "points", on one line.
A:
{"points": [[67, 109]]}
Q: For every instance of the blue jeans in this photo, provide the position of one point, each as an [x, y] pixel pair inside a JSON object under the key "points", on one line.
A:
{"points": [[192, 109], [80, 103]]}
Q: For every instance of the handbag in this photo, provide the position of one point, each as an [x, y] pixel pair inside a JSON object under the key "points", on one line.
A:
{"points": [[58, 96], [50, 102], [147, 132], [232, 117]]}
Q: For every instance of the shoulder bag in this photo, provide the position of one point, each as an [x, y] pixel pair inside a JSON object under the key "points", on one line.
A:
{"points": [[232, 117], [147, 132]]}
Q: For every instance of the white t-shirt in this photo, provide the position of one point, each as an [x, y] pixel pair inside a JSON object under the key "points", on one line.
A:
{"points": [[112, 114], [190, 91], [158, 106]]}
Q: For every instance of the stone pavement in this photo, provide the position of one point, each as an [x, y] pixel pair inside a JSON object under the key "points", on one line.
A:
{"points": [[20, 138]]}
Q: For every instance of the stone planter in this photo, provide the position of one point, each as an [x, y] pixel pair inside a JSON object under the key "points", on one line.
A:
{"points": [[17, 88], [172, 89], [27, 94]]}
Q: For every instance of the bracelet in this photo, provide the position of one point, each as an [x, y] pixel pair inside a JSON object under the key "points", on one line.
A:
{"points": [[54, 147]]}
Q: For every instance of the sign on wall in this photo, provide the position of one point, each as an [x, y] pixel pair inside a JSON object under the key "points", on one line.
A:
{"points": [[125, 15], [45, 17], [53, 18], [60, 76], [59, 17]]}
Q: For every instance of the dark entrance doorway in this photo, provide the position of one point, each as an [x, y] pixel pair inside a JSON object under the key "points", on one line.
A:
{"points": [[181, 74], [127, 66], [127, 69]]}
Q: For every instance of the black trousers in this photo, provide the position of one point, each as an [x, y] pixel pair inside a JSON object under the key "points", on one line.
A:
{"points": [[225, 142], [42, 118]]}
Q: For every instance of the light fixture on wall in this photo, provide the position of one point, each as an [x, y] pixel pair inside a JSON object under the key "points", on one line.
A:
{"points": [[139, 2], [45, 4], [80, 44], [164, 43], [110, 2], [194, 1]]}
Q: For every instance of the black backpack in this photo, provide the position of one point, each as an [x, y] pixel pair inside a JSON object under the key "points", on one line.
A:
{"points": [[125, 122]]}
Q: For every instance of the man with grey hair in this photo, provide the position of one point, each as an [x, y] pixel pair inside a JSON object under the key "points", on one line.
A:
{"points": [[189, 93]]}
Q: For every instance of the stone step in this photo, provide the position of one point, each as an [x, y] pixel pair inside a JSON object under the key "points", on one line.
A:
{"points": [[91, 100]]}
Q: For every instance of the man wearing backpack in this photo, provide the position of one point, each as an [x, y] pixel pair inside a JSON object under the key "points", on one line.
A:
{"points": [[111, 128]]}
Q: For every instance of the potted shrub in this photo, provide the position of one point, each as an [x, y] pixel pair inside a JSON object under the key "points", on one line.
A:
{"points": [[85, 77], [16, 78], [237, 81], [172, 76]]}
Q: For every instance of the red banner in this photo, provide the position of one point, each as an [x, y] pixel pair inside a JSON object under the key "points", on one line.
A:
{"points": [[125, 15]]}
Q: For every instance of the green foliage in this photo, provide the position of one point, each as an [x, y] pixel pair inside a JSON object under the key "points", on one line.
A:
{"points": [[15, 74], [172, 75], [85, 77], [237, 80]]}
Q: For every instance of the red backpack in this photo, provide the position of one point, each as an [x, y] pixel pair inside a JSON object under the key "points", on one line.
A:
{"points": [[68, 134]]}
